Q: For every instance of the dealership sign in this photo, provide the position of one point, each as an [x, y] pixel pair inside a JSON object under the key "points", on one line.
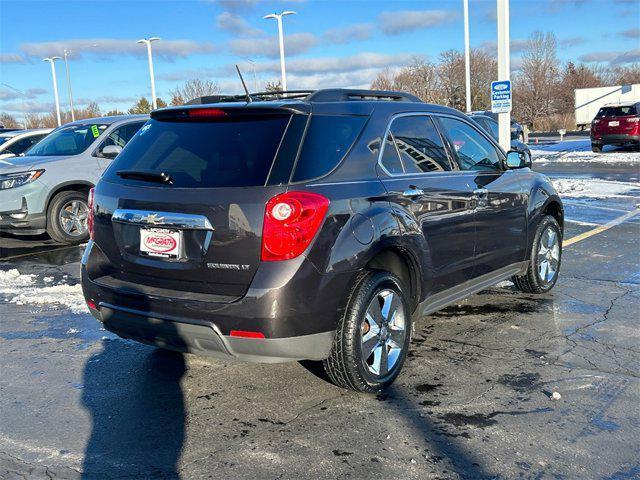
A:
{"points": [[501, 96]]}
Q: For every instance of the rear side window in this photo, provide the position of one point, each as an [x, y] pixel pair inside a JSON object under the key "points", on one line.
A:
{"points": [[617, 111], [231, 153], [328, 139], [418, 145]]}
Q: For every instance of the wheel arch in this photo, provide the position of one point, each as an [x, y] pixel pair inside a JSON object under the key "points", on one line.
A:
{"points": [[71, 186], [400, 262]]}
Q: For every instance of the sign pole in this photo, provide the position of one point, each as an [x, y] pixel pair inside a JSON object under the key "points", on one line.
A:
{"points": [[504, 119]]}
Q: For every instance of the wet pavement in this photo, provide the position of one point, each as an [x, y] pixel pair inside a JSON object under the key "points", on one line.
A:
{"points": [[475, 399]]}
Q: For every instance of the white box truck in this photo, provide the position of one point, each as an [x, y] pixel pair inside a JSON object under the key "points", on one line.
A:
{"points": [[589, 100]]}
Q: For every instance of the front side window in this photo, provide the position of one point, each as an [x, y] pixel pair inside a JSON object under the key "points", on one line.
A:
{"points": [[71, 140], [415, 142], [471, 149]]}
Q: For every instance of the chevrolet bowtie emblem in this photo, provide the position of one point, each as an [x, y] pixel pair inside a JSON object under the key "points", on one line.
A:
{"points": [[152, 219]]}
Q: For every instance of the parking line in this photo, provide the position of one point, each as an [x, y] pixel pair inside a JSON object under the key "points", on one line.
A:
{"points": [[602, 228]]}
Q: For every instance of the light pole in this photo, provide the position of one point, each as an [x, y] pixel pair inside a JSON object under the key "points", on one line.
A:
{"points": [[22, 96], [51, 61], [504, 119], [467, 56], [278, 17], [147, 42], [66, 66]]}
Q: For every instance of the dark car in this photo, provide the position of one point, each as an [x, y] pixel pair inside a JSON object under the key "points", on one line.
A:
{"points": [[312, 227], [491, 127], [517, 130], [617, 124]]}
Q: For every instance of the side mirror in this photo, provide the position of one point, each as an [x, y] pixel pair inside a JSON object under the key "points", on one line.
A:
{"points": [[517, 159], [111, 151]]}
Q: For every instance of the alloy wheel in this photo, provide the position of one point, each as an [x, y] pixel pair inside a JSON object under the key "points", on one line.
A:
{"points": [[73, 218], [548, 255], [383, 333]]}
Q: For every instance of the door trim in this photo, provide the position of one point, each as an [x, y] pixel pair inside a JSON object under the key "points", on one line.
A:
{"points": [[468, 288]]}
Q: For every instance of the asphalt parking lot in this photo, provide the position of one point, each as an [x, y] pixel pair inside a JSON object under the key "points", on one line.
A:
{"points": [[475, 399]]}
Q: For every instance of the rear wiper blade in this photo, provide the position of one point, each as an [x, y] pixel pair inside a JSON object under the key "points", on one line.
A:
{"points": [[146, 175]]}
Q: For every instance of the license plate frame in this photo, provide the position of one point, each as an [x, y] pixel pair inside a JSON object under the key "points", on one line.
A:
{"points": [[164, 243]]}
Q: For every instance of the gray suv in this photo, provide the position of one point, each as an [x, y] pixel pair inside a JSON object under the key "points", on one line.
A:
{"points": [[45, 190]]}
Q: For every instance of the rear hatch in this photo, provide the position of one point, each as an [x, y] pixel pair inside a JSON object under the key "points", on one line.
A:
{"points": [[181, 209], [617, 120]]}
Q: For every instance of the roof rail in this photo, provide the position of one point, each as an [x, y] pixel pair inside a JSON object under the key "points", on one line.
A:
{"points": [[277, 95], [318, 96], [341, 95]]}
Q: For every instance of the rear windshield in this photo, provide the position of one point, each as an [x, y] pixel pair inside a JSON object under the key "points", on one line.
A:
{"points": [[232, 153], [617, 111]]}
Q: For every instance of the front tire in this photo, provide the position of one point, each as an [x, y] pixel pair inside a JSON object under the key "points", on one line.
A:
{"points": [[545, 258], [67, 217], [372, 339]]}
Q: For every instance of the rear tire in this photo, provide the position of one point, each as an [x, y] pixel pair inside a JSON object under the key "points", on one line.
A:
{"points": [[545, 258], [372, 339], [596, 148], [67, 217]]}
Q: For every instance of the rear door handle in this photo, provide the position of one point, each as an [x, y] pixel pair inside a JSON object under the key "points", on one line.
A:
{"points": [[413, 192]]}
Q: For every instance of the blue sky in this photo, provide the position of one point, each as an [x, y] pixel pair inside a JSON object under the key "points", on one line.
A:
{"points": [[328, 43]]}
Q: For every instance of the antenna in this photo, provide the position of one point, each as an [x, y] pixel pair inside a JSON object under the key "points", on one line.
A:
{"points": [[244, 85]]}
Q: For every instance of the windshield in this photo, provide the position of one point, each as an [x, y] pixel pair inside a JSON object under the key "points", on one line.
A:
{"points": [[71, 140]]}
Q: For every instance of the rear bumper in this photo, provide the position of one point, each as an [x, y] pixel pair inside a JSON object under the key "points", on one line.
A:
{"points": [[291, 303], [615, 139], [204, 338]]}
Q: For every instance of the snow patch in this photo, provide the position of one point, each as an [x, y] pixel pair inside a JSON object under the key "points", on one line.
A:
{"points": [[22, 289], [579, 151], [594, 188]]}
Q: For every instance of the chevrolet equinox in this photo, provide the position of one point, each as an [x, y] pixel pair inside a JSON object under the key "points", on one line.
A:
{"points": [[311, 226]]}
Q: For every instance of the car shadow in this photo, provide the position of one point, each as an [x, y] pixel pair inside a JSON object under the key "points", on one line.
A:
{"points": [[134, 396]]}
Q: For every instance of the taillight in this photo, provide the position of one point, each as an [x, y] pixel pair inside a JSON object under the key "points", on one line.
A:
{"points": [[291, 220], [633, 119], [90, 215]]}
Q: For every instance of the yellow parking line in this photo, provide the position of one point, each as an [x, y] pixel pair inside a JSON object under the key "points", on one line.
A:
{"points": [[602, 228]]}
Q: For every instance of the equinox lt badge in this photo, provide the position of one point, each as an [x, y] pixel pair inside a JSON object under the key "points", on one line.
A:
{"points": [[228, 266]]}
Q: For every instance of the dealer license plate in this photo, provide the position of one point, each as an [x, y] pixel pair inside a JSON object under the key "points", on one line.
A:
{"points": [[160, 242]]}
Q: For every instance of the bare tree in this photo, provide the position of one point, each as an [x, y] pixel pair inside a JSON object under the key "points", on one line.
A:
{"points": [[535, 84], [574, 76], [419, 78], [384, 80], [193, 89], [8, 121], [273, 87]]}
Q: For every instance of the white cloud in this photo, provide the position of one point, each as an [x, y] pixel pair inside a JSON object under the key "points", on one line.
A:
{"points": [[168, 49], [350, 33], [30, 93], [402, 21], [30, 106], [236, 25], [294, 44], [516, 46], [630, 33], [614, 58], [572, 41], [12, 58]]}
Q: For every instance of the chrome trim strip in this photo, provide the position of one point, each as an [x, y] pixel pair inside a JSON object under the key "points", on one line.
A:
{"points": [[162, 219]]}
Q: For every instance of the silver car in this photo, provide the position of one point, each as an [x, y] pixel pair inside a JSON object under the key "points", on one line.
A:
{"points": [[46, 189], [19, 141]]}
